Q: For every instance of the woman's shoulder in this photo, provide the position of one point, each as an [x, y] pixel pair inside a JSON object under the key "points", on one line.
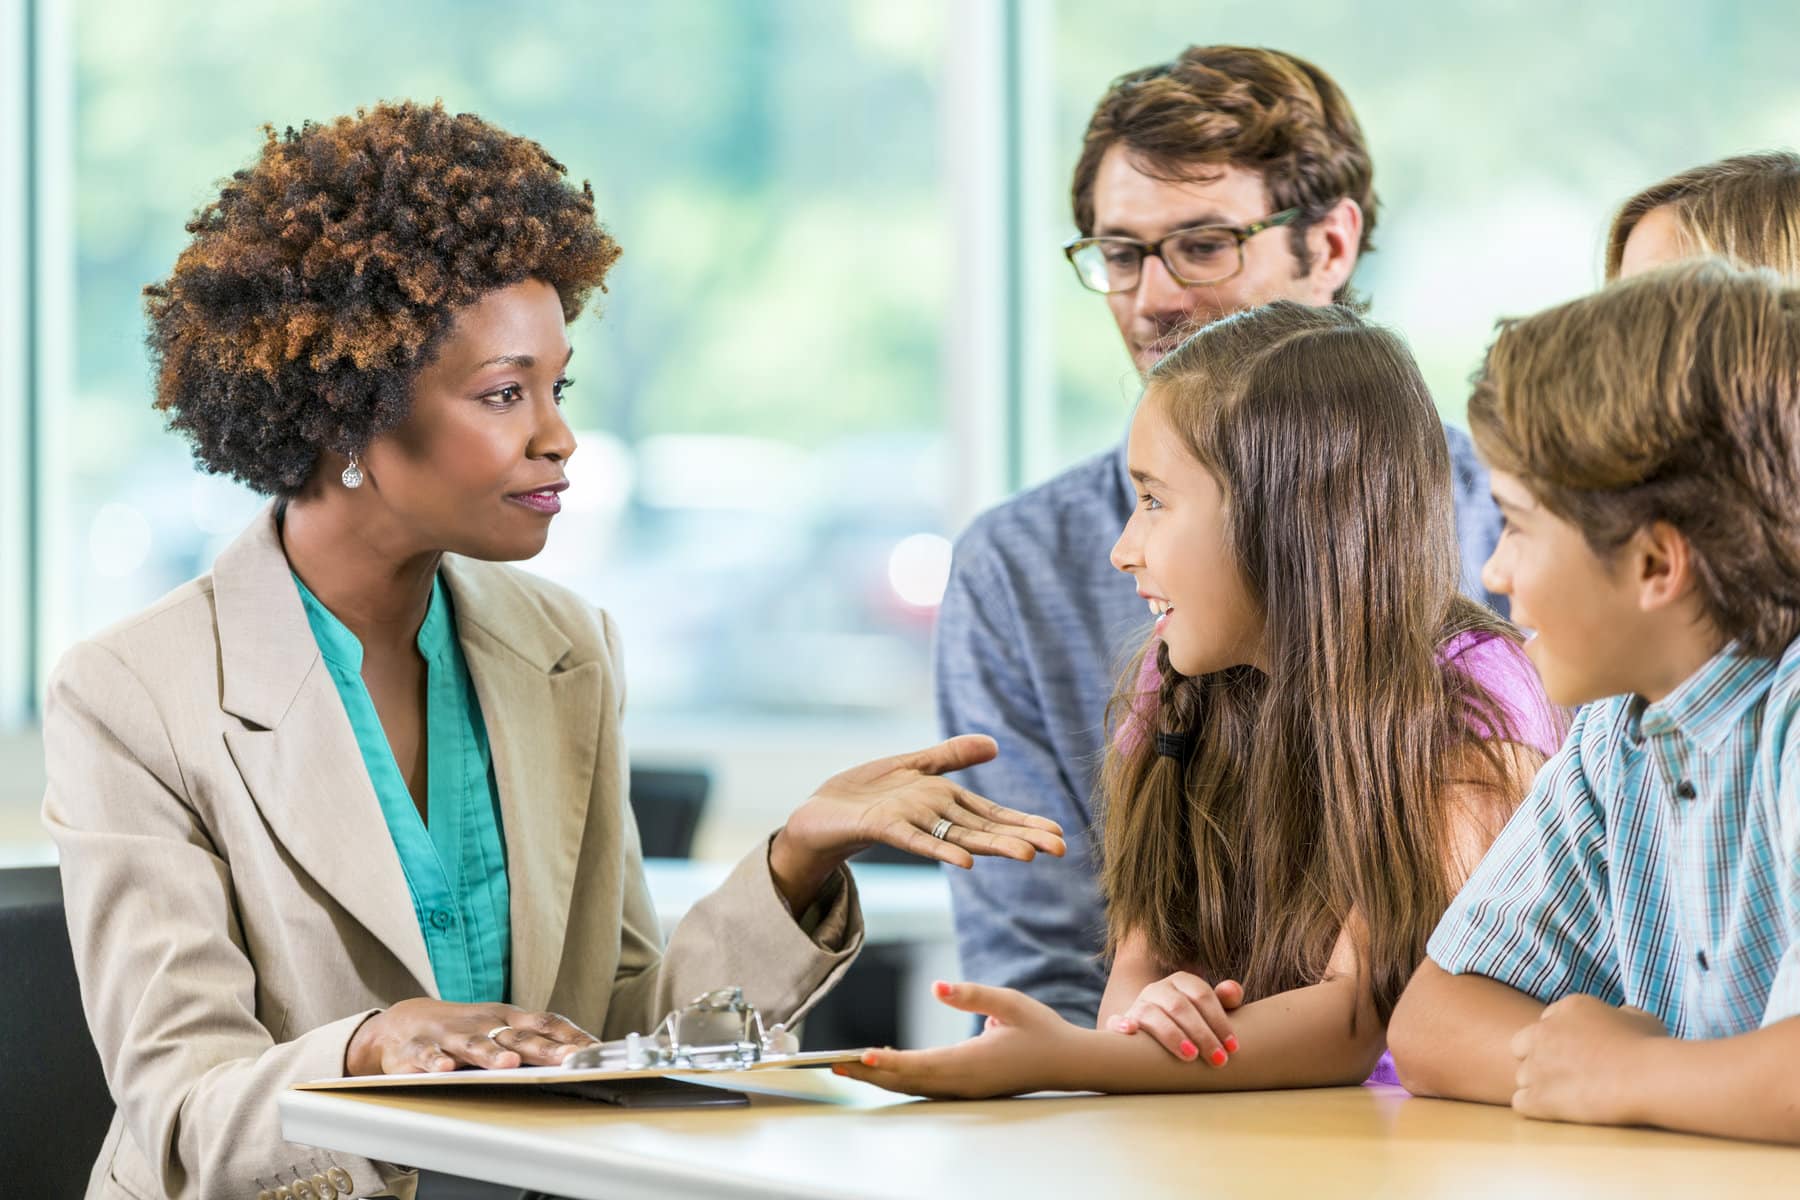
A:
{"points": [[178, 628]]}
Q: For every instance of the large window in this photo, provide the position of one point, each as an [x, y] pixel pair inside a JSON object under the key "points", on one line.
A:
{"points": [[841, 322], [759, 493]]}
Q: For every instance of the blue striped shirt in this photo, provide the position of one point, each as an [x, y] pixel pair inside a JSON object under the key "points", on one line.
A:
{"points": [[1656, 861]]}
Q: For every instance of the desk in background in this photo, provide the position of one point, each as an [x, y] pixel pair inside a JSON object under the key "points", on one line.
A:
{"points": [[1364, 1141]]}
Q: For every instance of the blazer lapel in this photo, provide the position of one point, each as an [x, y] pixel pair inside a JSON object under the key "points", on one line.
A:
{"points": [[297, 754], [543, 721]]}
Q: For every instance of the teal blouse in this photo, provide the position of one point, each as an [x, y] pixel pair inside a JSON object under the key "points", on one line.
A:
{"points": [[455, 863]]}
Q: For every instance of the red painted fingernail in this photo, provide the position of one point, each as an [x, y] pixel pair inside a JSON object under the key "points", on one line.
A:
{"points": [[1188, 1049], [868, 1060], [1231, 1044], [1218, 1058], [942, 990], [837, 1068]]}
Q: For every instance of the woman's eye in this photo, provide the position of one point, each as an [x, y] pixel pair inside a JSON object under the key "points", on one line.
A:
{"points": [[1151, 503], [504, 396], [559, 387]]}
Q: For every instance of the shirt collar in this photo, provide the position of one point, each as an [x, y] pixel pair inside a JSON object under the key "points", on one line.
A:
{"points": [[342, 649], [1707, 705]]}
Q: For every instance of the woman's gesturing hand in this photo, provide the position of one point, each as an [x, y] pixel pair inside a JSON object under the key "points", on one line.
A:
{"points": [[901, 801], [436, 1035], [1186, 1016]]}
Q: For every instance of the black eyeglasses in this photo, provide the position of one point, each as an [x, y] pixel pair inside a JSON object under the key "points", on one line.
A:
{"points": [[1194, 257]]}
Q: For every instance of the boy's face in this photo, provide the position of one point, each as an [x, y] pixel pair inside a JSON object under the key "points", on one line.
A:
{"points": [[1155, 315], [1586, 629]]}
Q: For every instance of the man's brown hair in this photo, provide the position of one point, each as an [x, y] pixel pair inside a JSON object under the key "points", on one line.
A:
{"points": [[1746, 208], [1673, 397], [1236, 106]]}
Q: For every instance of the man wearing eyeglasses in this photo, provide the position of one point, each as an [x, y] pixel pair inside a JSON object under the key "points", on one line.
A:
{"points": [[1228, 178]]}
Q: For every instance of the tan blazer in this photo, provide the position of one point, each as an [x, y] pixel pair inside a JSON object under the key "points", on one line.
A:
{"points": [[235, 901]]}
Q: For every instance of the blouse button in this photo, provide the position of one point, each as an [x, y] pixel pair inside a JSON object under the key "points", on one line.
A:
{"points": [[1685, 790], [440, 919]]}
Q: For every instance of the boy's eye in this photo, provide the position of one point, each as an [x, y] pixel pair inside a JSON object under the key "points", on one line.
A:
{"points": [[1151, 503]]}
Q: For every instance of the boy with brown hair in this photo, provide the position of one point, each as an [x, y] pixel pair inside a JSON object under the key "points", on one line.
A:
{"points": [[1629, 950]]}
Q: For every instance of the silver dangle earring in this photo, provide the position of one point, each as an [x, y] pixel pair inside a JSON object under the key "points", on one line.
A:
{"points": [[352, 475]]}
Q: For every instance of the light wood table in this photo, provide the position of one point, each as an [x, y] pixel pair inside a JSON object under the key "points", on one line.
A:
{"points": [[1365, 1141]]}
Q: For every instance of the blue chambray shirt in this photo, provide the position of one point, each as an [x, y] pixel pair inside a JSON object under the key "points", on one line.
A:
{"points": [[1656, 861], [455, 865], [1035, 627]]}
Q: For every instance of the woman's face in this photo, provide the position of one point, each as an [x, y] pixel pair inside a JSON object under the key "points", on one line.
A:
{"points": [[477, 466], [1177, 546]]}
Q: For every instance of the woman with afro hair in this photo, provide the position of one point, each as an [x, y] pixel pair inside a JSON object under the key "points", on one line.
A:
{"points": [[354, 801]]}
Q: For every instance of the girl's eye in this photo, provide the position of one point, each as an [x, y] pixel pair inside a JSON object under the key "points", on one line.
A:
{"points": [[1151, 503]]}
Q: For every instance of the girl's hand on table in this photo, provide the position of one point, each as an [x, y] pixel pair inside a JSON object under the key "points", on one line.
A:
{"points": [[1186, 1016], [900, 801], [422, 1035], [1017, 1052]]}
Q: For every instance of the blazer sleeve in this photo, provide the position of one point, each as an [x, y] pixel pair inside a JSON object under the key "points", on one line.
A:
{"points": [[169, 991], [742, 933]]}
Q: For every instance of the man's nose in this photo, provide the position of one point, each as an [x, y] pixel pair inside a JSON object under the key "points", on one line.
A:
{"points": [[1160, 293]]}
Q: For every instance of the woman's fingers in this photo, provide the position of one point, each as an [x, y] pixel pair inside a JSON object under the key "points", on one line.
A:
{"points": [[906, 835], [999, 813], [951, 754], [555, 1027], [533, 1048], [994, 845]]}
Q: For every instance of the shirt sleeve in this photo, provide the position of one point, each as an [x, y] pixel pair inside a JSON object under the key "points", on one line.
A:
{"points": [[1037, 926], [1536, 914], [1784, 993]]}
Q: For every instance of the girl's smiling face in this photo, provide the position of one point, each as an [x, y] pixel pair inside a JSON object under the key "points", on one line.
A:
{"points": [[1178, 547]]}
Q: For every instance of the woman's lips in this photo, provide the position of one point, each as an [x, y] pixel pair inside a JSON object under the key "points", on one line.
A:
{"points": [[546, 501]]}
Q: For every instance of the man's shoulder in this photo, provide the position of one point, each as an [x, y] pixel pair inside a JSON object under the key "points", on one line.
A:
{"points": [[1086, 503]]}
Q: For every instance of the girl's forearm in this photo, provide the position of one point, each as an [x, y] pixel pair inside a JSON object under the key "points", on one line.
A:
{"points": [[1301, 1038]]}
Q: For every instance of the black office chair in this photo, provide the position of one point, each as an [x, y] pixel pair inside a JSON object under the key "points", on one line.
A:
{"points": [[668, 804], [54, 1106]]}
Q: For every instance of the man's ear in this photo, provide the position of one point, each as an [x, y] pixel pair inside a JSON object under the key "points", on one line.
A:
{"points": [[1333, 243], [1661, 564]]}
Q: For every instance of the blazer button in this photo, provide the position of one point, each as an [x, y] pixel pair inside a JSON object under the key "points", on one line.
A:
{"points": [[303, 1190], [283, 1192], [340, 1179], [327, 1190], [265, 1194]]}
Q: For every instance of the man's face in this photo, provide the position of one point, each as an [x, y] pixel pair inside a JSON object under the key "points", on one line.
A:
{"points": [[1153, 316]]}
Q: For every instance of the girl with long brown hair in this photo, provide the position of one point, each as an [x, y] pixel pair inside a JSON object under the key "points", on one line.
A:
{"points": [[1328, 738]]}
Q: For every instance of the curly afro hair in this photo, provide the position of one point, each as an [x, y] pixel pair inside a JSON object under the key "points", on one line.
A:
{"points": [[326, 275]]}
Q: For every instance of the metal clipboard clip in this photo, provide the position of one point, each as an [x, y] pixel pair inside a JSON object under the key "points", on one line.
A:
{"points": [[718, 1031]]}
